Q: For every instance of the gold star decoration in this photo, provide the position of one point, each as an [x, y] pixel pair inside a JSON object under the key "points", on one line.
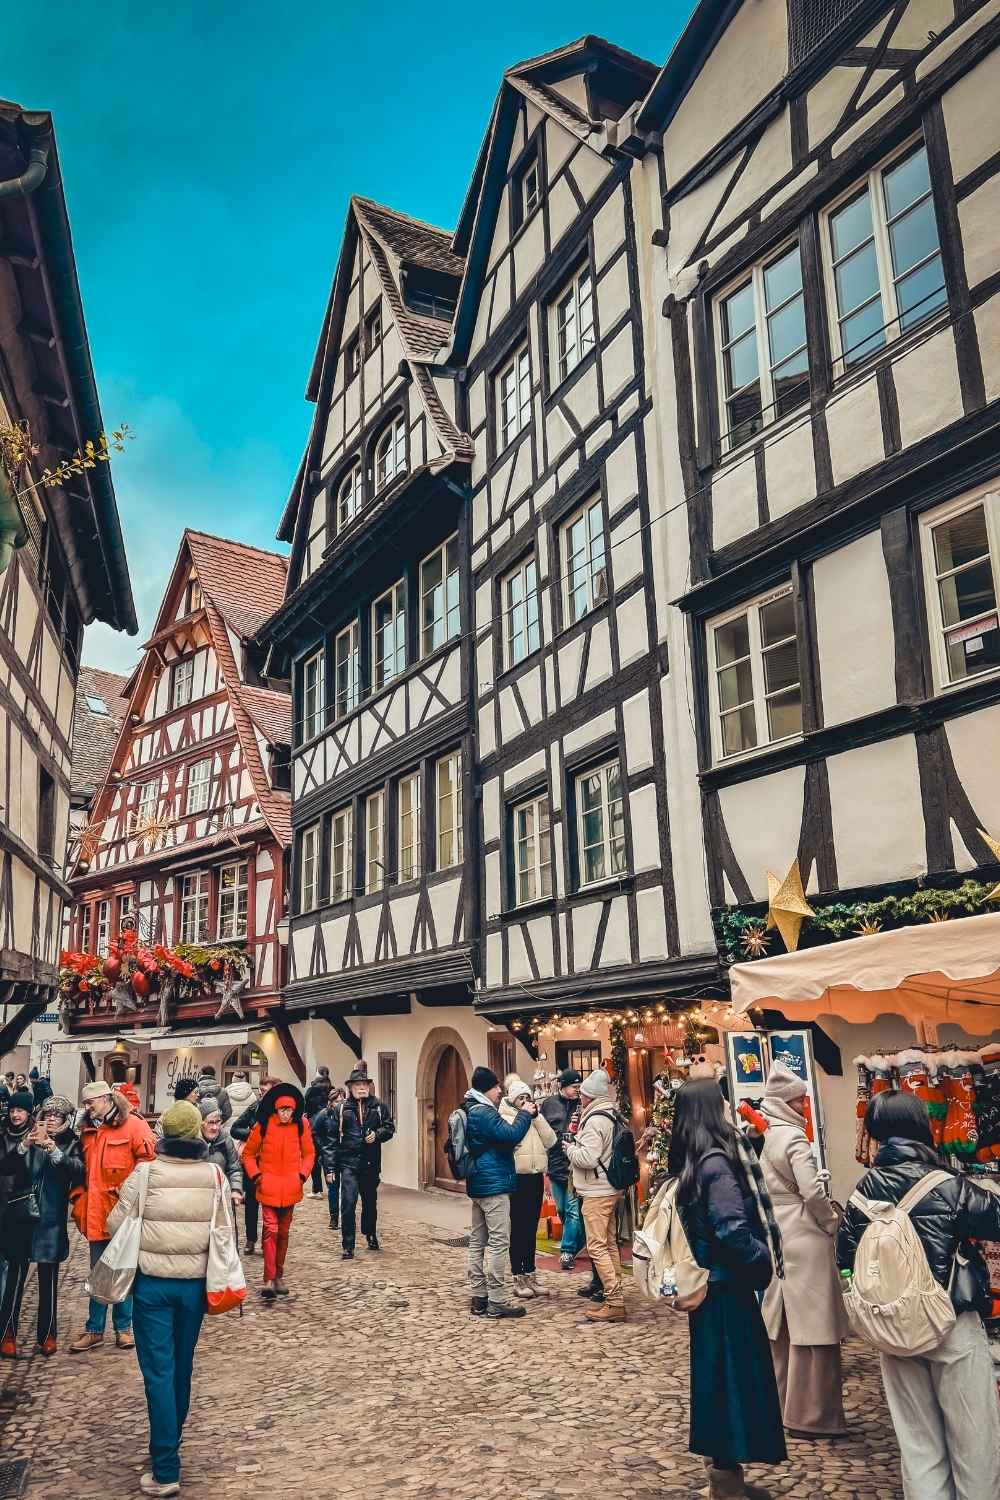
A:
{"points": [[90, 841], [867, 927], [994, 844], [150, 832], [755, 942], [787, 907], [938, 916]]}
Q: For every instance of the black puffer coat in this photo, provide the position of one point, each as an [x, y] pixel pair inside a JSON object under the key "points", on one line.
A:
{"points": [[324, 1129], [950, 1215], [351, 1148], [724, 1228]]}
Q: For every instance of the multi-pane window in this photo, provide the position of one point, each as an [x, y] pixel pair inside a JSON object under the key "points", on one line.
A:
{"points": [[126, 908], [522, 634], [883, 258], [439, 611], [389, 636], [199, 780], [181, 682], [574, 323], [532, 851], [149, 801], [194, 908], [600, 824], [513, 389], [348, 497], [234, 893], [448, 773], [373, 329], [585, 568], [529, 189], [961, 547], [352, 358], [309, 868], [375, 842], [342, 855], [525, 191], [316, 536], [313, 694], [755, 672], [103, 926], [764, 363], [85, 928], [409, 837], [347, 661], [387, 1088], [192, 597], [390, 454]]}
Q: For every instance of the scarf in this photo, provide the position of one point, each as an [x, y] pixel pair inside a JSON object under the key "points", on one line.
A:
{"points": [[755, 1182], [780, 1113]]}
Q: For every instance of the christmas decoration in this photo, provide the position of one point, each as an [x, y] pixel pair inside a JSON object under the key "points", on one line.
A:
{"points": [[787, 906], [619, 1064], [132, 974], [994, 845], [661, 1122], [755, 941], [232, 989]]}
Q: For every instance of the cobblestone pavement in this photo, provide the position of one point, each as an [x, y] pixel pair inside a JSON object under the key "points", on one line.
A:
{"points": [[372, 1376]]}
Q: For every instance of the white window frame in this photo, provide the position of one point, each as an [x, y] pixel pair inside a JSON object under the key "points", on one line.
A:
{"points": [[193, 907], [373, 328], [234, 901], [126, 907], [102, 927], [390, 454], [86, 927], [200, 785], [513, 397], [574, 334], [411, 840], [929, 521], [452, 833], [375, 841], [527, 851], [182, 682], [342, 854], [611, 874], [397, 594], [310, 867], [530, 199], [347, 700], [583, 512], [352, 357], [147, 802], [349, 493], [314, 718], [765, 370], [532, 619], [883, 259], [192, 596], [751, 608], [451, 617]]}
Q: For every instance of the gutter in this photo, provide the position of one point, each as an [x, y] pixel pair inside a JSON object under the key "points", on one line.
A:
{"points": [[31, 177]]}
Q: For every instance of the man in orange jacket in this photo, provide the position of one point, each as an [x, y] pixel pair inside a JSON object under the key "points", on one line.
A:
{"points": [[113, 1141]]}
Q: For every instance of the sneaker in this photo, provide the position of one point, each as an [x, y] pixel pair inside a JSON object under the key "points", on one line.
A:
{"points": [[334, 1225], [268, 1291], [373, 1243], [504, 1310], [280, 1287], [477, 1307], [567, 1262], [318, 1193], [124, 1340], [86, 1342], [150, 1485], [522, 1289], [347, 1255], [47, 1347]]}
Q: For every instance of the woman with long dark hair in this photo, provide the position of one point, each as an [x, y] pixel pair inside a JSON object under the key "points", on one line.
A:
{"points": [[735, 1411], [278, 1157]]}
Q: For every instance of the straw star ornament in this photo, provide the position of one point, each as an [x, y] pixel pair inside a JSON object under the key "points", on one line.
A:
{"points": [[994, 844], [787, 907]]}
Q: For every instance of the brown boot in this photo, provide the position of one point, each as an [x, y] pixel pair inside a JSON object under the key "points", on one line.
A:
{"points": [[86, 1342], [606, 1312], [725, 1484], [754, 1491], [124, 1340]]}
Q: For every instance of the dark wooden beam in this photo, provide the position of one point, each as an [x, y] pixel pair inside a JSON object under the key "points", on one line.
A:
{"points": [[14, 1029], [350, 1038], [290, 1050]]}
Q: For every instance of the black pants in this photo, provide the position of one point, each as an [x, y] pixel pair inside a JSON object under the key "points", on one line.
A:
{"points": [[17, 1268], [355, 1180], [317, 1174], [48, 1301], [251, 1209], [525, 1208]]}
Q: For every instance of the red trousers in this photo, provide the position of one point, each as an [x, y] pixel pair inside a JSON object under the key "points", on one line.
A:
{"points": [[274, 1240]]}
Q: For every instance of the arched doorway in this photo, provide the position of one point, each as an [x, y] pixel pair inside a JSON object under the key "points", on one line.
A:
{"points": [[450, 1085], [248, 1060]]}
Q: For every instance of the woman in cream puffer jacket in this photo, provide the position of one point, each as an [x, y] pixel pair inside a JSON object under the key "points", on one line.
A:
{"points": [[531, 1155]]}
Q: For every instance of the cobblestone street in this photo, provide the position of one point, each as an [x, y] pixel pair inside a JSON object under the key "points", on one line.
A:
{"points": [[373, 1375]]}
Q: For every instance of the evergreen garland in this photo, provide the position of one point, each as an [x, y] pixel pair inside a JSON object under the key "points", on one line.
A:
{"points": [[619, 1059], [661, 1120]]}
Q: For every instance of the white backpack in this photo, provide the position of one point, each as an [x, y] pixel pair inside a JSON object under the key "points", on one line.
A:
{"points": [[893, 1301], [663, 1267]]}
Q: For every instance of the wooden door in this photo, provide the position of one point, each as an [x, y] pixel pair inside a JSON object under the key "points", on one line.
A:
{"points": [[450, 1086]]}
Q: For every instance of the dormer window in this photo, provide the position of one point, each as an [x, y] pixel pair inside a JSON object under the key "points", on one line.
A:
{"points": [[373, 329], [390, 454], [526, 191], [192, 596], [352, 358], [349, 497], [432, 294]]}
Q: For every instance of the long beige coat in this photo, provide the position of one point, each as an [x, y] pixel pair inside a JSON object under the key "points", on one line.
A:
{"points": [[810, 1295]]}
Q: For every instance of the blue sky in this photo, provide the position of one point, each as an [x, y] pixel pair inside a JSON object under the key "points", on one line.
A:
{"points": [[209, 151]]}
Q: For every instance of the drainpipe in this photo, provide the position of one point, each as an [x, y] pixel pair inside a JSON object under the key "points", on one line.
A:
{"points": [[38, 160]]}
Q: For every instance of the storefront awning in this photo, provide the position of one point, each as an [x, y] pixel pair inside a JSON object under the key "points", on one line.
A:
{"points": [[939, 972], [100, 1044], [191, 1039]]}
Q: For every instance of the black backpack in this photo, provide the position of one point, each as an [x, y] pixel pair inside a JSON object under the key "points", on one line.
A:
{"points": [[622, 1169]]}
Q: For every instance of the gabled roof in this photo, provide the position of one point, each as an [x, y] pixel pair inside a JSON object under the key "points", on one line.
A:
{"points": [[246, 584], [95, 728], [271, 712]]}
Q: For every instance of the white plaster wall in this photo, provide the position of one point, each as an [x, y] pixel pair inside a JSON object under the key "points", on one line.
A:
{"points": [[854, 625], [762, 819], [878, 822]]}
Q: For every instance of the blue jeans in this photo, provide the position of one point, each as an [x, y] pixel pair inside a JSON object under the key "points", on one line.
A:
{"points": [[168, 1314], [121, 1312], [568, 1204]]}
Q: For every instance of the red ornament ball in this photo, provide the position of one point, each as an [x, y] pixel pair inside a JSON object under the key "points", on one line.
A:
{"points": [[140, 984], [112, 967]]}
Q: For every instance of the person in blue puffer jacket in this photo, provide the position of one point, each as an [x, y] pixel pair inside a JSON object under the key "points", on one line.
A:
{"points": [[490, 1141]]}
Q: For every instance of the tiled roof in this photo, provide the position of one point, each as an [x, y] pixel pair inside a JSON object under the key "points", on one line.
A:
{"points": [[246, 584], [270, 711], [394, 237], [411, 239], [95, 734]]}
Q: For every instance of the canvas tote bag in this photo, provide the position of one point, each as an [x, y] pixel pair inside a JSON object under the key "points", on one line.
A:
{"points": [[112, 1277], [225, 1283], [663, 1266]]}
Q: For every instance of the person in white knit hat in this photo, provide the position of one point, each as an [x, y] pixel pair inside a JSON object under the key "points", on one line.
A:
{"points": [[531, 1155], [589, 1153]]}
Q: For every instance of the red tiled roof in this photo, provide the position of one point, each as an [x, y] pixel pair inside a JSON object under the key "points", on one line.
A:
{"points": [[270, 711], [95, 734], [246, 584]]}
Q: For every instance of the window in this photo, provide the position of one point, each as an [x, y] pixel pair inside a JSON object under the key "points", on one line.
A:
{"points": [[342, 865], [313, 694], [199, 780], [148, 803], [347, 661], [500, 1053], [181, 682], [103, 926], [584, 561], [349, 497], [883, 261], [600, 823], [755, 671], [390, 454], [525, 191], [389, 636], [439, 612], [192, 597], [584, 1057], [194, 908], [514, 397], [574, 323], [248, 1060], [46, 815], [387, 1073], [373, 329], [448, 773], [233, 900], [126, 909], [309, 877], [532, 851], [352, 358], [520, 607], [375, 842], [961, 550], [97, 705], [432, 294], [315, 537], [85, 919], [409, 827], [764, 363]]}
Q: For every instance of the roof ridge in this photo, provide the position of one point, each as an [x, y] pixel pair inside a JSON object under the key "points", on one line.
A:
{"points": [[230, 541], [397, 213]]}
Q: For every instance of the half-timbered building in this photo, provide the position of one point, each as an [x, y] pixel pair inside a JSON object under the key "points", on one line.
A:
{"points": [[188, 832], [62, 559]]}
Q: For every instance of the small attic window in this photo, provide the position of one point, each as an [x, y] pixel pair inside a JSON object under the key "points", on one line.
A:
{"points": [[432, 294], [526, 191], [373, 328], [352, 358], [192, 597], [97, 705]]}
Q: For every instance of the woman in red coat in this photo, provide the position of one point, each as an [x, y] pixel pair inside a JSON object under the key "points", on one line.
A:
{"points": [[278, 1158]]}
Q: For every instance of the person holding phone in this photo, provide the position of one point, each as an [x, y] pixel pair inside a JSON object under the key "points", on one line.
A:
{"points": [[16, 1214]]}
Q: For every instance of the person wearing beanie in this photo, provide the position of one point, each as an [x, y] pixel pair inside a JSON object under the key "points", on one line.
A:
{"points": [[222, 1149], [804, 1312], [361, 1125], [325, 1129], [491, 1182], [208, 1085], [113, 1141], [18, 1165], [317, 1095], [559, 1109], [168, 1295], [278, 1157], [589, 1153], [239, 1128], [531, 1156], [184, 1088]]}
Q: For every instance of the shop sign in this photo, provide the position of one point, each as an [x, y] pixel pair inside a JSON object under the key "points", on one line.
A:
{"points": [[749, 1055]]}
